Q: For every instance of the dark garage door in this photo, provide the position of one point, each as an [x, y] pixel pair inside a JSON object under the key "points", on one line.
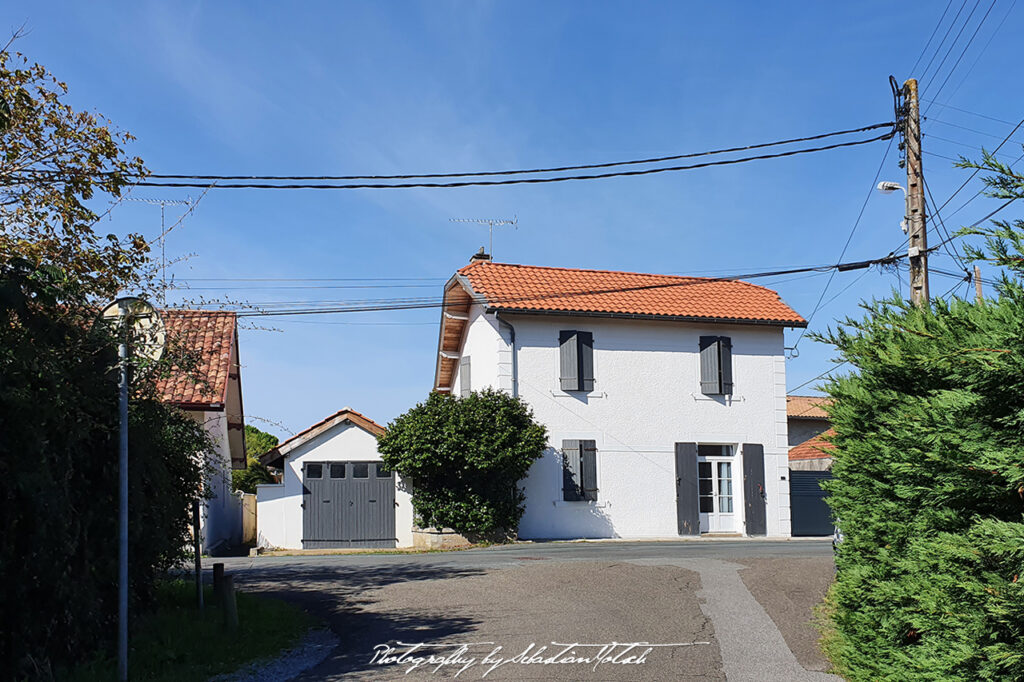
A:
{"points": [[811, 516], [347, 504]]}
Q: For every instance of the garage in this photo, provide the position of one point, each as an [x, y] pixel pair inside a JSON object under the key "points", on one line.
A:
{"points": [[811, 515], [347, 504], [335, 491]]}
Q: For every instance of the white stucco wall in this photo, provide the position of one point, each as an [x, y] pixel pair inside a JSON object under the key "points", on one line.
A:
{"points": [[221, 515], [646, 398], [279, 506]]}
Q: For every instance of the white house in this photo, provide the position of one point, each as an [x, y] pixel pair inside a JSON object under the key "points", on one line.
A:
{"points": [[664, 397], [335, 491], [210, 391]]}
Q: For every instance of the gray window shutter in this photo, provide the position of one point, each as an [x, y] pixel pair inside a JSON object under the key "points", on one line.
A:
{"points": [[588, 469], [709, 366], [687, 491], [465, 385], [725, 363], [586, 352], [754, 498], [571, 471], [568, 361]]}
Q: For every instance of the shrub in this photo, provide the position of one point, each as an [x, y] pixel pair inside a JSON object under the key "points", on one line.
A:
{"points": [[465, 458]]}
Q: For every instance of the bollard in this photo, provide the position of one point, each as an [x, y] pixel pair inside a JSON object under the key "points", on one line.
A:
{"points": [[229, 603], [218, 581]]}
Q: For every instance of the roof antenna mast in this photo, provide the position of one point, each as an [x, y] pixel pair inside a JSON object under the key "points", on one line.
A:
{"points": [[491, 223]]}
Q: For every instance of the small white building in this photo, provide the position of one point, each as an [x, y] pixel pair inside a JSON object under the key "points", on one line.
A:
{"points": [[664, 397], [210, 391], [335, 491]]}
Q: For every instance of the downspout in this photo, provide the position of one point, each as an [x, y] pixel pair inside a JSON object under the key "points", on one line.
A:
{"points": [[515, 357]]}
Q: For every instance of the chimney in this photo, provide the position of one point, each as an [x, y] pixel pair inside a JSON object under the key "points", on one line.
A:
{"points": [[480, 256]]}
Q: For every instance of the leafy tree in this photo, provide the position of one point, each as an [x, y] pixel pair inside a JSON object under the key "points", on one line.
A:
{"points": [[928, 480], [465, 458], [54, 161], [256, 472], [59, 465]]}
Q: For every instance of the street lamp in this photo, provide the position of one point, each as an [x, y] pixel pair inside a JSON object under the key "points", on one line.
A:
{"points": [[888, 187], [142, 333]]}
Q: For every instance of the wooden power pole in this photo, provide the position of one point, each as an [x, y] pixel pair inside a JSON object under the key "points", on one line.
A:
{"points": [[977, 284], [916, 229]]}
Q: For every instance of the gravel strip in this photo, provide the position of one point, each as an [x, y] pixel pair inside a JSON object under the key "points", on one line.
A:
{"points": [[311, 651]]}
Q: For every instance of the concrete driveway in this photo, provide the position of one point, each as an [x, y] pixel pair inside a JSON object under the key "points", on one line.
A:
{"points": [[735, 610]]}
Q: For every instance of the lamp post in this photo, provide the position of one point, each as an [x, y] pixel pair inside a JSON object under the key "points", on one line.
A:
{"points": [[134, 318]]}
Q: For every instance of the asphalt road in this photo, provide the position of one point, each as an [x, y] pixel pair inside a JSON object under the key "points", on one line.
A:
{"points": [[736, 610]]}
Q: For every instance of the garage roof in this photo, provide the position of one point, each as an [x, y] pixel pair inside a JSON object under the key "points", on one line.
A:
{"points": [[346, 414]]}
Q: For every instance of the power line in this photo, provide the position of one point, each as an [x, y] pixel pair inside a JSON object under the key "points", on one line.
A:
{"points": [[934, 31], [421, 303], [523, 181], [849, 238], [932, 119], [977, 170], [827, 371], [938, 48], [983, 50], [964, 51], [965, 111], [520, 171]]}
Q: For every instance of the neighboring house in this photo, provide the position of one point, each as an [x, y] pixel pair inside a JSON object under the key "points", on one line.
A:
{"points": [[664, 397], [209, 389], [809, 463], [335, 492]]}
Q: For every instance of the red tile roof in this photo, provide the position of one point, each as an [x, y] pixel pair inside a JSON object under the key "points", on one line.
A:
{"points": [[543, 289], [813, 448], [807, 406], [206, 337]]}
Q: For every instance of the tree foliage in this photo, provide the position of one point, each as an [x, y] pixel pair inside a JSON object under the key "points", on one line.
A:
{"points": [[256, 472], [465, 458], [54, 162], [928, 483], [59, 465]]}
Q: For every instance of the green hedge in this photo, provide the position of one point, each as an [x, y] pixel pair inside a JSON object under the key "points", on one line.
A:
{"points": [[928, 488]]}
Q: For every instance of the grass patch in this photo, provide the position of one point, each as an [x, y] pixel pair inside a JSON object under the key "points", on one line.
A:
{"points": [[176, 642]]}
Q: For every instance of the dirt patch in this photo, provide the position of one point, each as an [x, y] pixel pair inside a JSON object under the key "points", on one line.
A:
{"points": [[789, 589]]}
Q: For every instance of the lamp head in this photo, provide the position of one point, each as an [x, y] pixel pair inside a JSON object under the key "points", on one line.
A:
{"points": [[887, 187]]}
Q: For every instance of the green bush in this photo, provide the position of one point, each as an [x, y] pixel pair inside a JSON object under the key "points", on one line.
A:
{"points": [[256, 472], [59, 467], [928, 488], [465, 458]]}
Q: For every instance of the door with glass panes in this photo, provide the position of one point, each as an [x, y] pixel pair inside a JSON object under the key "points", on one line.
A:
{"points": [[715, 472]]}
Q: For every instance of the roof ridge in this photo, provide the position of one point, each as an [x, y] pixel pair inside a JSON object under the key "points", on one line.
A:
{"points": [[596, 270]]}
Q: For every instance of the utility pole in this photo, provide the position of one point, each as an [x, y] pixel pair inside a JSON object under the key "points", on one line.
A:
{"points": [[917, 249], [977, 284]]}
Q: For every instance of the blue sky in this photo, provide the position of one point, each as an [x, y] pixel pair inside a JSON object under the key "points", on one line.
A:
{"points": [[369, 87]]}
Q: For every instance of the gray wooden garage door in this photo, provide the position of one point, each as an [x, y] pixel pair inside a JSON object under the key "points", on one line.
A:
{"points": [[347, 504], [810, 514]]}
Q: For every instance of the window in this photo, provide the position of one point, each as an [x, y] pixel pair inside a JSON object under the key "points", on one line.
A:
{"points": [[705, 487], [360, 470], [715, 365], [465, 386], [314, 471], [725, 487], [579, 470], [576, 360], [337, 470], [382, 471]]}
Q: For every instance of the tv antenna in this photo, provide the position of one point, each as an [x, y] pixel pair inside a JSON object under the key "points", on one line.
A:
{"points": [[491, 223], [163, 203]]}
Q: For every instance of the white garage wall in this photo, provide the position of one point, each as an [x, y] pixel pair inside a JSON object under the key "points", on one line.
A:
{"points": [[279, 506]]}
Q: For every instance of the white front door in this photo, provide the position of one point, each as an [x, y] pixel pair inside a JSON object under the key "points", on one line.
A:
{"points": [[715, 471]]}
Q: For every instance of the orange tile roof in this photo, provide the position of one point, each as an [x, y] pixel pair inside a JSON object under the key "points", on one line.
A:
{"points": [[807, 406], [208, 337], [510, 287], [813, 448]]}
